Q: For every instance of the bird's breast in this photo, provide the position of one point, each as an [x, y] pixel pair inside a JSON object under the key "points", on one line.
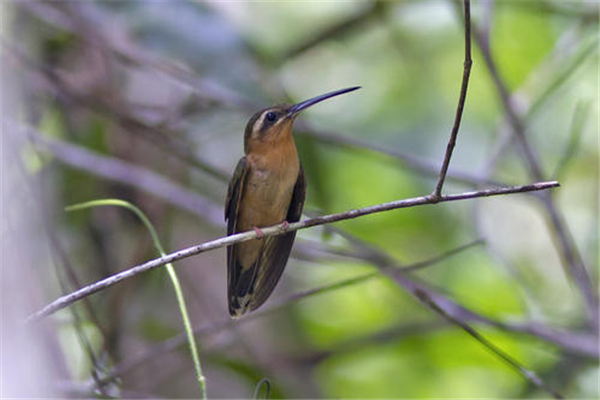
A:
{"points": [[268, 190]]}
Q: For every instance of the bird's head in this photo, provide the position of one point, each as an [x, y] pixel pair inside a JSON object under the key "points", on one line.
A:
{"points": [[270, 124]]}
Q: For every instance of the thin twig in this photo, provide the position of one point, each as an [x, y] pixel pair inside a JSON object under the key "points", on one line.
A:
{"points": [[337, 30], [275, 230], [461, 103], [437, 193]]}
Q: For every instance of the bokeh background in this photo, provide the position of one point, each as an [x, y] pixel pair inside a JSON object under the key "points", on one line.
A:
{"points": [[147, 101]]}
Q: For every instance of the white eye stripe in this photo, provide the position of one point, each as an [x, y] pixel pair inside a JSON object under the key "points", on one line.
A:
{"points": [[261, 120], [258, 123]]}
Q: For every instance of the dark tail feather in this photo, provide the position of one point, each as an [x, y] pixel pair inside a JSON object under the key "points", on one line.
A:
{"points": [[273, 262], [240, 290], [249, 289]]}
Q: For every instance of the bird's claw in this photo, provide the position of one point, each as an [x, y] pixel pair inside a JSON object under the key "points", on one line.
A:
{"points": [[285, 225], [259, 233]]}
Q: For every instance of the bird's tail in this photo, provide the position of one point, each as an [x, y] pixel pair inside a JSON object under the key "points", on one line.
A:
{"points": [[240, 289]]}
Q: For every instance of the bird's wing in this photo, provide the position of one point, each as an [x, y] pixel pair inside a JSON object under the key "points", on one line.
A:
{"points": [[232, 205], [250, 288], [234, 193]]}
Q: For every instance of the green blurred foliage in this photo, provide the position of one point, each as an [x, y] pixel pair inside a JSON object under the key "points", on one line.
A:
{"points": [[509, 47]]}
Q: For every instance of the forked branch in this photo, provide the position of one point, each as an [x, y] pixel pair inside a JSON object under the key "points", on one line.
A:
{"points": [[275, 230]]}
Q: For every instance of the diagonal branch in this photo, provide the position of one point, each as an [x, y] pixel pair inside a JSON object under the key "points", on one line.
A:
{"points": [[572, 261], [275, 230], [123, 172], [528, 374]]}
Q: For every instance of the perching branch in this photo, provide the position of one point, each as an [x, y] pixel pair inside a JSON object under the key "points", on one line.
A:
{"points": [[275, 230]]}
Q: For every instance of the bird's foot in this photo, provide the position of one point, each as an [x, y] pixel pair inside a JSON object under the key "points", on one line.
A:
{"points": [[259, 233], [285, 225]]}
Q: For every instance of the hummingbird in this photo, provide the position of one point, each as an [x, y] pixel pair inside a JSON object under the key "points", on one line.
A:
{"points": [[267, 188]]}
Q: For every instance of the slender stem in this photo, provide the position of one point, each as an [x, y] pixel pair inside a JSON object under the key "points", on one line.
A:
{"points": [[189, 330], [461, 104], [263, 382]]}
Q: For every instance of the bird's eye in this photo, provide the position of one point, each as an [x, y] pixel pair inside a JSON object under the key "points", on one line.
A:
{"points": [[271, 116]]}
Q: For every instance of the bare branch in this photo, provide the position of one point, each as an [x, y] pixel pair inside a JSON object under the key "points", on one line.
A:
{"points": [[337, 30], [275, 230], [444, 306]]}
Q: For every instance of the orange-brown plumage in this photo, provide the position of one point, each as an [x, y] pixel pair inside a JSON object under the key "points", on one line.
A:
{"points": [[273, 168]]}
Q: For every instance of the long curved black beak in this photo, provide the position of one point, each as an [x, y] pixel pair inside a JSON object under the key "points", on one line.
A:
{"points": [[296, 108]]}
